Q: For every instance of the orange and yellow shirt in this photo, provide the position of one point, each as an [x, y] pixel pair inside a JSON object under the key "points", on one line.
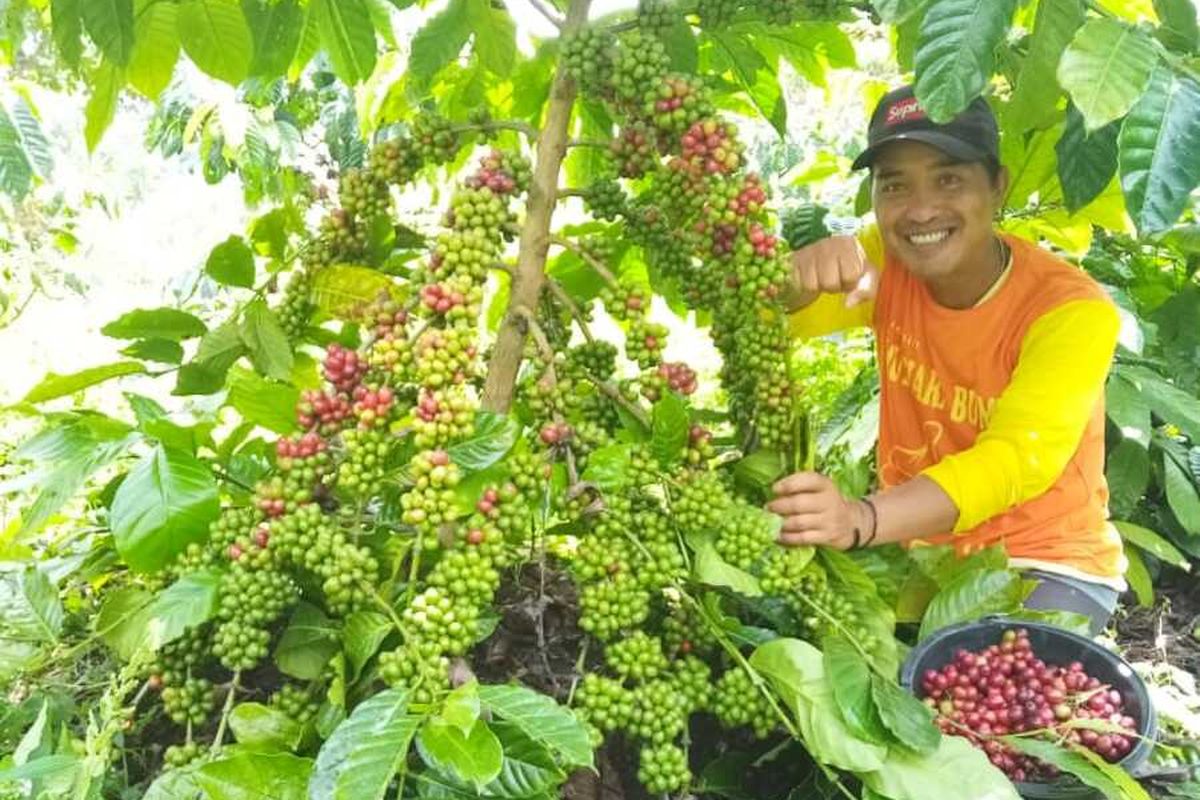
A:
{"points": [[1001, 404]]}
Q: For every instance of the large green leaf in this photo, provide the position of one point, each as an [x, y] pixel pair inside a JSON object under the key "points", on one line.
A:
{"points": [[163, 351], [268, 344], [255, 776], [495, 36], [1138, 578], [120, 623], [157, 323], [358, 760], [264, 729], [1127, 408], [1128, 473], [1167, 400], [102, 105], [54, 385], [542, 720], [16, 169], [363, 634], [476, 757], [711, 570], [110, 24], [954, 53], [344, 290], [1086, 163], [1035, 98], [67, 25], [669, 429], [231, 263], [30, 610], [1181, 495], [1153, 544], [33, 138], [275, 26], [796, 671], [755, 76], [263, 402], [850, 677], [1178, 29], [1160, 150], [156, 47], [215, 36], [971, 596], [348, 36], [438, 43], [910, 722], [1113, 781], [186, 603], [311, 639], [1105, 69], [176, 784], [895, 12], [494, 436], [956, 770], [165, 503]]}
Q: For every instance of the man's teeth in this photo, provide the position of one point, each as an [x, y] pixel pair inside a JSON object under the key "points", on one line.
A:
{"points": [[928, 238]]}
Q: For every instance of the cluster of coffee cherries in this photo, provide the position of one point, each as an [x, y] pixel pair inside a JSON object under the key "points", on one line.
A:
{"points": [[1006, 688], [713, 146]]}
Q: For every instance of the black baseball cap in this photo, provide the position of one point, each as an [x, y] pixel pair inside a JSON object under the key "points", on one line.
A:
{"points": [[971, 136]]}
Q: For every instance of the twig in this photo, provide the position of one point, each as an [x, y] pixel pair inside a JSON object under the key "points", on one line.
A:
{"points": [[614, 394], [584, 142], [541, 8], [561, 296], [225, 476], [233, 687], [579, 665], [539, 339], [591, 260]]}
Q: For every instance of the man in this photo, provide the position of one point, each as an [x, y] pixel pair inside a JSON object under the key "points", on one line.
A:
{"points": [[992, 357]]}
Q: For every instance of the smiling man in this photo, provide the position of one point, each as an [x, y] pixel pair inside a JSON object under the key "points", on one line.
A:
{"points": [[992, 357]]}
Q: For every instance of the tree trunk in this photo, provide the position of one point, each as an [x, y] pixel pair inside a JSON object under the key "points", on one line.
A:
{"points": [[535, 234]]}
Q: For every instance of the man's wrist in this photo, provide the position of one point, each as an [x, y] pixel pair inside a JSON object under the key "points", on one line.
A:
{"points": [[864, 524]]}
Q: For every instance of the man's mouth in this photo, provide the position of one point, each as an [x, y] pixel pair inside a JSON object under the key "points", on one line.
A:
{"points": [[926, 238]]}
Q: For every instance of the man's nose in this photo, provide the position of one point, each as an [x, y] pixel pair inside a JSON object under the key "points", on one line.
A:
{"points": [[922, 207]]}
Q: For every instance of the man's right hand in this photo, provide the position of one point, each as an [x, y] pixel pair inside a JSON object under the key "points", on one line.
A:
{"points": [[836, 265]]}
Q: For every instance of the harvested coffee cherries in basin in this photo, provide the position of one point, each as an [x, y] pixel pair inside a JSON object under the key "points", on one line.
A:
{"points": [[1006, 689]]}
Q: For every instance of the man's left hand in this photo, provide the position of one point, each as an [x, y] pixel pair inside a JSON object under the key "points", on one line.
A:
{"points": [[814, 511]]}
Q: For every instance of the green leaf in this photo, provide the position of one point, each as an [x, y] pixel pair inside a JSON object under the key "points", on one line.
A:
{"points": [[264, 729], [1086, 163], [30, 610], [495, 36], [32, 137], [275, 26], [366, 750], [110, 24], [185, 604], [232, 263], [176, 784], [67, 23], [494, 436], [972, 595], [102, 105], [1128, 474], [438, 43], [1127, 408], [756, 77], [542, 720], [163, 351], [796, 671], [1109, 779], [461, 708], [155, 48], [895, 12], [121, 620], [16, 170], [761, 468], [1139, 579], [344, 290], [669, 429], [348, 37], [264, 402], [1168, 401], [309, 641], [268, 344], [954, 52], [255, 776], [942, 775], [55, 385], [1034, 102], [1182, 496], [157, 323], [363, 634], [1105, 69], [476, 758], [61, 765], [1160, 150], [1177, 29], [850, 678], [905, 716], [215, 36], [165, 503], [712, 570], [1153, 544], [607, 466]]}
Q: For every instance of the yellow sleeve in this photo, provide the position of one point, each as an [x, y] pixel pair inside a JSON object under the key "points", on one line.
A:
{"points": [[1039, 418], [828, 313]]}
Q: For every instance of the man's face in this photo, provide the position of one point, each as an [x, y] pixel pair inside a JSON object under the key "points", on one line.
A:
{"points": [[935, 213]]}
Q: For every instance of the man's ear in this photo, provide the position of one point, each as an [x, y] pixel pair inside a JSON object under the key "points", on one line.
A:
{"points": [[1000, 186]]}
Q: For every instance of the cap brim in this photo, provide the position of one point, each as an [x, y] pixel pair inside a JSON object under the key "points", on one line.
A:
{"points": [[949, 145]]}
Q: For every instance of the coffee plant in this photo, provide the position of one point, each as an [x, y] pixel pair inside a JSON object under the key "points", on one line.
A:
{"points": [[447, 540]]}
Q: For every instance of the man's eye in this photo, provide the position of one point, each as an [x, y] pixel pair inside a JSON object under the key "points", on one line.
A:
{"points": [[890, 187], [950, 180]]}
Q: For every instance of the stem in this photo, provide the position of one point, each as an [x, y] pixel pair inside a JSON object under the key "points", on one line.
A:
{"points": [[581, 142], [579, 665], [546, 12], [233, 687], [614, 394], [535, 233], [591, 260], [561, 296]]}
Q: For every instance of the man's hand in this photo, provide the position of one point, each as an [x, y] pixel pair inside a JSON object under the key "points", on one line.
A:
{"points": [[836, 265], [814, 511]]}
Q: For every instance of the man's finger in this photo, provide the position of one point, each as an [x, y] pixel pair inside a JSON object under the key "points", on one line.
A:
{"points": [[866, 288], [799, 482], [799, 523], [800, 539]]}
